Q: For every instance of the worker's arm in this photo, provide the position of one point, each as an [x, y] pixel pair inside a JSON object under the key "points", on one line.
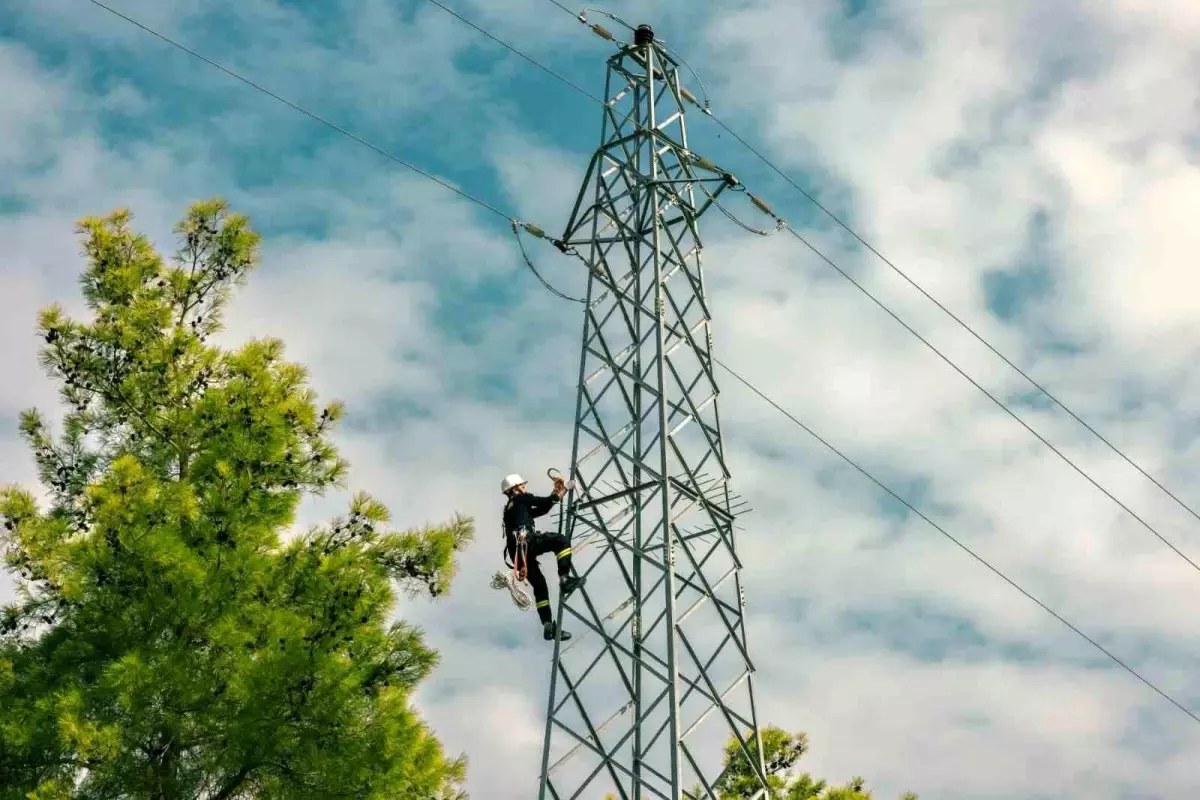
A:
{"points": [[539, 506]]}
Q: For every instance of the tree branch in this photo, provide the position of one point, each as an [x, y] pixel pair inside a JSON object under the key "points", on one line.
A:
{"points": [[234, 783], [132, 409], [185, 303]]}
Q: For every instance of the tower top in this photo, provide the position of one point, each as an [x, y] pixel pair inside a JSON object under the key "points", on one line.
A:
{"points": [[643, 35]]}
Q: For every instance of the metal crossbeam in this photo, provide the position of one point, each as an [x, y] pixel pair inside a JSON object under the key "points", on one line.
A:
{"points": [[659, 676]]}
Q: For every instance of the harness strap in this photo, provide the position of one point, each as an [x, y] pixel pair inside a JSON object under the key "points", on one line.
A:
{"points": [[521, 565], [520, 556]]}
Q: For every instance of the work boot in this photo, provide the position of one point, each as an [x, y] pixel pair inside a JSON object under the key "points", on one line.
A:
{"points": [[548, 633], [569, 584]]}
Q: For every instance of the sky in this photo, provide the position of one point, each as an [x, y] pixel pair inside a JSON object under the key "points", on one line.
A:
{"points": [[1033, 164]]}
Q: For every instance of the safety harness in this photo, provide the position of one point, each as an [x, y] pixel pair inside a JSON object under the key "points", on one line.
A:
{"points": [[515, 579], [520, 563]]}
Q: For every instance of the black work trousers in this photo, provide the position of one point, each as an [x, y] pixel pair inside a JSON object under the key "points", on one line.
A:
{"points": [[539, 544]]}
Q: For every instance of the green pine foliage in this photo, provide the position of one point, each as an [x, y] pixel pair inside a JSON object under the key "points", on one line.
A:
{"points": [[781, 751], [168, 641]]}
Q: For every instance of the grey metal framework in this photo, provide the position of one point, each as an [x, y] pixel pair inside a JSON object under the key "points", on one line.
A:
{"points": [[658, 675]]}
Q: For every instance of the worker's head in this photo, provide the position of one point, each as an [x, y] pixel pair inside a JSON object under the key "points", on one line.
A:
{"points": [[512, 484]]}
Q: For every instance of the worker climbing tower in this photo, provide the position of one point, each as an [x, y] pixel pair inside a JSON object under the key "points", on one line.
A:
{"points": [[658, 675]]}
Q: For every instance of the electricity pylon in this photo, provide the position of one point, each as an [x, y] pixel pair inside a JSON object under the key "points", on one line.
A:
{"points": [[658, 676]]}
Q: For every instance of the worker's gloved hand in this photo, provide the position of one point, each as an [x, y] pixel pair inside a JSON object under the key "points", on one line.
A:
{"points": [[560, 487]]}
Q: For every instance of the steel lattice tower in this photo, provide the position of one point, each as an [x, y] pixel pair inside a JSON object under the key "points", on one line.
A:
{"points": [[658, 676]]}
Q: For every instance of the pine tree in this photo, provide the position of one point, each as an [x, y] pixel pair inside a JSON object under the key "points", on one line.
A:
{"points": [[781, 751], [168, 640]]}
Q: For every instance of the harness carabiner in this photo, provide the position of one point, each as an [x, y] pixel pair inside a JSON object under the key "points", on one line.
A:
{"points": [[557, 479]]}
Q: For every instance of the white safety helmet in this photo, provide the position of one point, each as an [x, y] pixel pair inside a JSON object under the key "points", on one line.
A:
{"points": [[510, 482]]}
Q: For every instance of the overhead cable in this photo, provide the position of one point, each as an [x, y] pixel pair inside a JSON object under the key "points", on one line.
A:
{"points": [[1194, 565], [517, 52], [837, 220], [958, 542], [1000, 403], [530, 227], [534, 229], [964, 325], [516, 229], [940, 529]]}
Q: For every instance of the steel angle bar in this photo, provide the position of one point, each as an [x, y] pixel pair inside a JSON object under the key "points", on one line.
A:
{"points": [[730, 627], [687, 753], [662, 567], [607, 618], [738, 681], [730, 715], [711, 695], [628, 705]]}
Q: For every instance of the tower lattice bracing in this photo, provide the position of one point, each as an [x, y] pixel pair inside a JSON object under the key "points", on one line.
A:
{"points": [[658, 675]]}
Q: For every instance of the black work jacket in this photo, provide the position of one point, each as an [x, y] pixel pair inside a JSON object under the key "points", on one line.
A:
{"points": [[522, 509]]}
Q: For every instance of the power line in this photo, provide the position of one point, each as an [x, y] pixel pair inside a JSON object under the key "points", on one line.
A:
{"points": [[838, 221], [564, 8], [304, 111], [514, 50], [728, 369], [961, 323], [957, 542], [906, 326], [515, 222], [996, 400], [884, 486], [529, 263]]}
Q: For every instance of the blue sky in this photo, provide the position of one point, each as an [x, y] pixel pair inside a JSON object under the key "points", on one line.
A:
{"points": [[1032, 164]]}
